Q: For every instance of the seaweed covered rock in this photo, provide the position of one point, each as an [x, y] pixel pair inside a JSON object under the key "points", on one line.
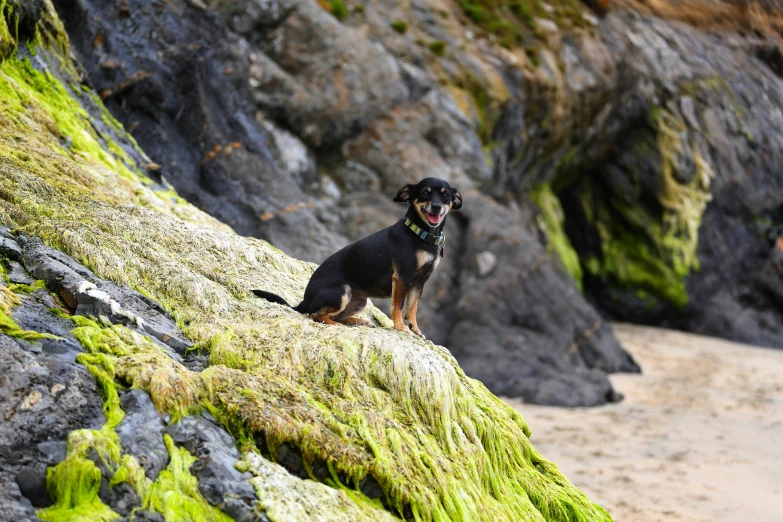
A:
{"points": [[102, 463], [44, 397], [662, 151], [386, 425], [298, 127]]}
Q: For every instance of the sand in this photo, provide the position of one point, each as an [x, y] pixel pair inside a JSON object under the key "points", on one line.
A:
{"points": [[699, 435]]}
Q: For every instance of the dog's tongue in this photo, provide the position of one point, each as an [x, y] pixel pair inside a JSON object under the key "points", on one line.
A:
{"points": [[434, 219]]}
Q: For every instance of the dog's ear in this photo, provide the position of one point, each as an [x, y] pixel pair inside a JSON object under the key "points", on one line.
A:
{"points": [[457, 199], [405, 193]]}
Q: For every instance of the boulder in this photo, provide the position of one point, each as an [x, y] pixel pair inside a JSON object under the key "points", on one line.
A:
{"points": [[299, 128], [367, 409]]}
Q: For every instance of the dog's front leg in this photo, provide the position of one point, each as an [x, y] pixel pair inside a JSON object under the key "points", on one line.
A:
{"points": [[412, 303], [397, 299]]}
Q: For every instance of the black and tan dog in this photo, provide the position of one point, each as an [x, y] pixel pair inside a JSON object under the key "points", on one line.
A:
{"points": [[395, 262]]}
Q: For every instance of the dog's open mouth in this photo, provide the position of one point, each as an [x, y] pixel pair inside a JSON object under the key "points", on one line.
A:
{"points": [[433, 219]]}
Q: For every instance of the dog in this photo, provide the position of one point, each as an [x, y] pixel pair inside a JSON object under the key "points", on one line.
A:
{"points": [[394, 262]]}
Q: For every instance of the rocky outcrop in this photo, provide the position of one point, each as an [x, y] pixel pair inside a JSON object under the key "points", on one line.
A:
{"points": [[649, 147], [299, 128], [672, 198], [138, 333], [58, 429]]}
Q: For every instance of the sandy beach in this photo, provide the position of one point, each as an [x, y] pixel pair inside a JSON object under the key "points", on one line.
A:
{"points": [[699, 436]]}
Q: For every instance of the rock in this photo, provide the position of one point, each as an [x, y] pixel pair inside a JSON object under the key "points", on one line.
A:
{"points": [[32, 438], [550, 388], [291, 459], [27, 12], [143, 515], [32, 484], [219, 481], [18, 274], [357, 104], [121, 497], [246, 168], [34, 316], [141, 432], [546, 25], [365, 401], [32, 400], [53, 452], [8, 245], [278, 490], [710, 268], [772, 274], [370, 487], [357, 178], [485, 263], [35, 401], [86, 294], [590, 18]]}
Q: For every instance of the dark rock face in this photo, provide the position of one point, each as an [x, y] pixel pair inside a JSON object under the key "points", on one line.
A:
{"points": [[184, 94], [85, 294], [44, 397], [218, 480], [299, 129], [549, 353], [673, 198], [46, 394], [121, 497], [141, 432]]}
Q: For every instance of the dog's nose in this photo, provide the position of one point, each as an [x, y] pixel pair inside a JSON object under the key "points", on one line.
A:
{"points": [[435, 208]]}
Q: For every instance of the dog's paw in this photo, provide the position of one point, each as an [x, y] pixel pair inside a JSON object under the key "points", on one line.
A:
{"points": [[416, 331], [403, 328]]}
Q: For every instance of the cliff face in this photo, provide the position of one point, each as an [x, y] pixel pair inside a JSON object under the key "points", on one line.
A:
{"points": [[126, 329], [299, 127], [629, 157], [672, 198]]}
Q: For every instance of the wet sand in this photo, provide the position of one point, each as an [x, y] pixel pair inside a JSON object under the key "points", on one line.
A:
{"points": [[699, 436]]}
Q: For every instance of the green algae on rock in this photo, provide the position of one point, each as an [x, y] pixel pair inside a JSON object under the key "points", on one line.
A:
{"points": [[74, 483], [364, 402], [648, 244], [553, 218], [8, 326], [284, 497]]}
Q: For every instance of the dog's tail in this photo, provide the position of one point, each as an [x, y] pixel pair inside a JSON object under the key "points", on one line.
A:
{"points": [[274, 298]]}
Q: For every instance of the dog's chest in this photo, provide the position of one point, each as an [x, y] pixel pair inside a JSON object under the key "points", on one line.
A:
{"points": [[426, 261]]}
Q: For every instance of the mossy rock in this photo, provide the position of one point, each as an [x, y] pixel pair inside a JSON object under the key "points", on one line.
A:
{"points": [[367, 402], [513, 22], [553, 219], [438, 48], [339, 9], [401, 26], [644, 237]]}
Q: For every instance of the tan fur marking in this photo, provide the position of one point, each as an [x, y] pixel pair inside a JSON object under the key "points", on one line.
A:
{"points": [[324, 315], [397, 297], [423, 258], [345, 300], [412, 309], [322, 318]]}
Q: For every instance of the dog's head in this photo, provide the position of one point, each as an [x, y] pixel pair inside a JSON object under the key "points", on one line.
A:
{"points": [[432, 198]]}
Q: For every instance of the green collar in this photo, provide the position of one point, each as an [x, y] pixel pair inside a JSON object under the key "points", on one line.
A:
{"points": [[432, 239]]}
